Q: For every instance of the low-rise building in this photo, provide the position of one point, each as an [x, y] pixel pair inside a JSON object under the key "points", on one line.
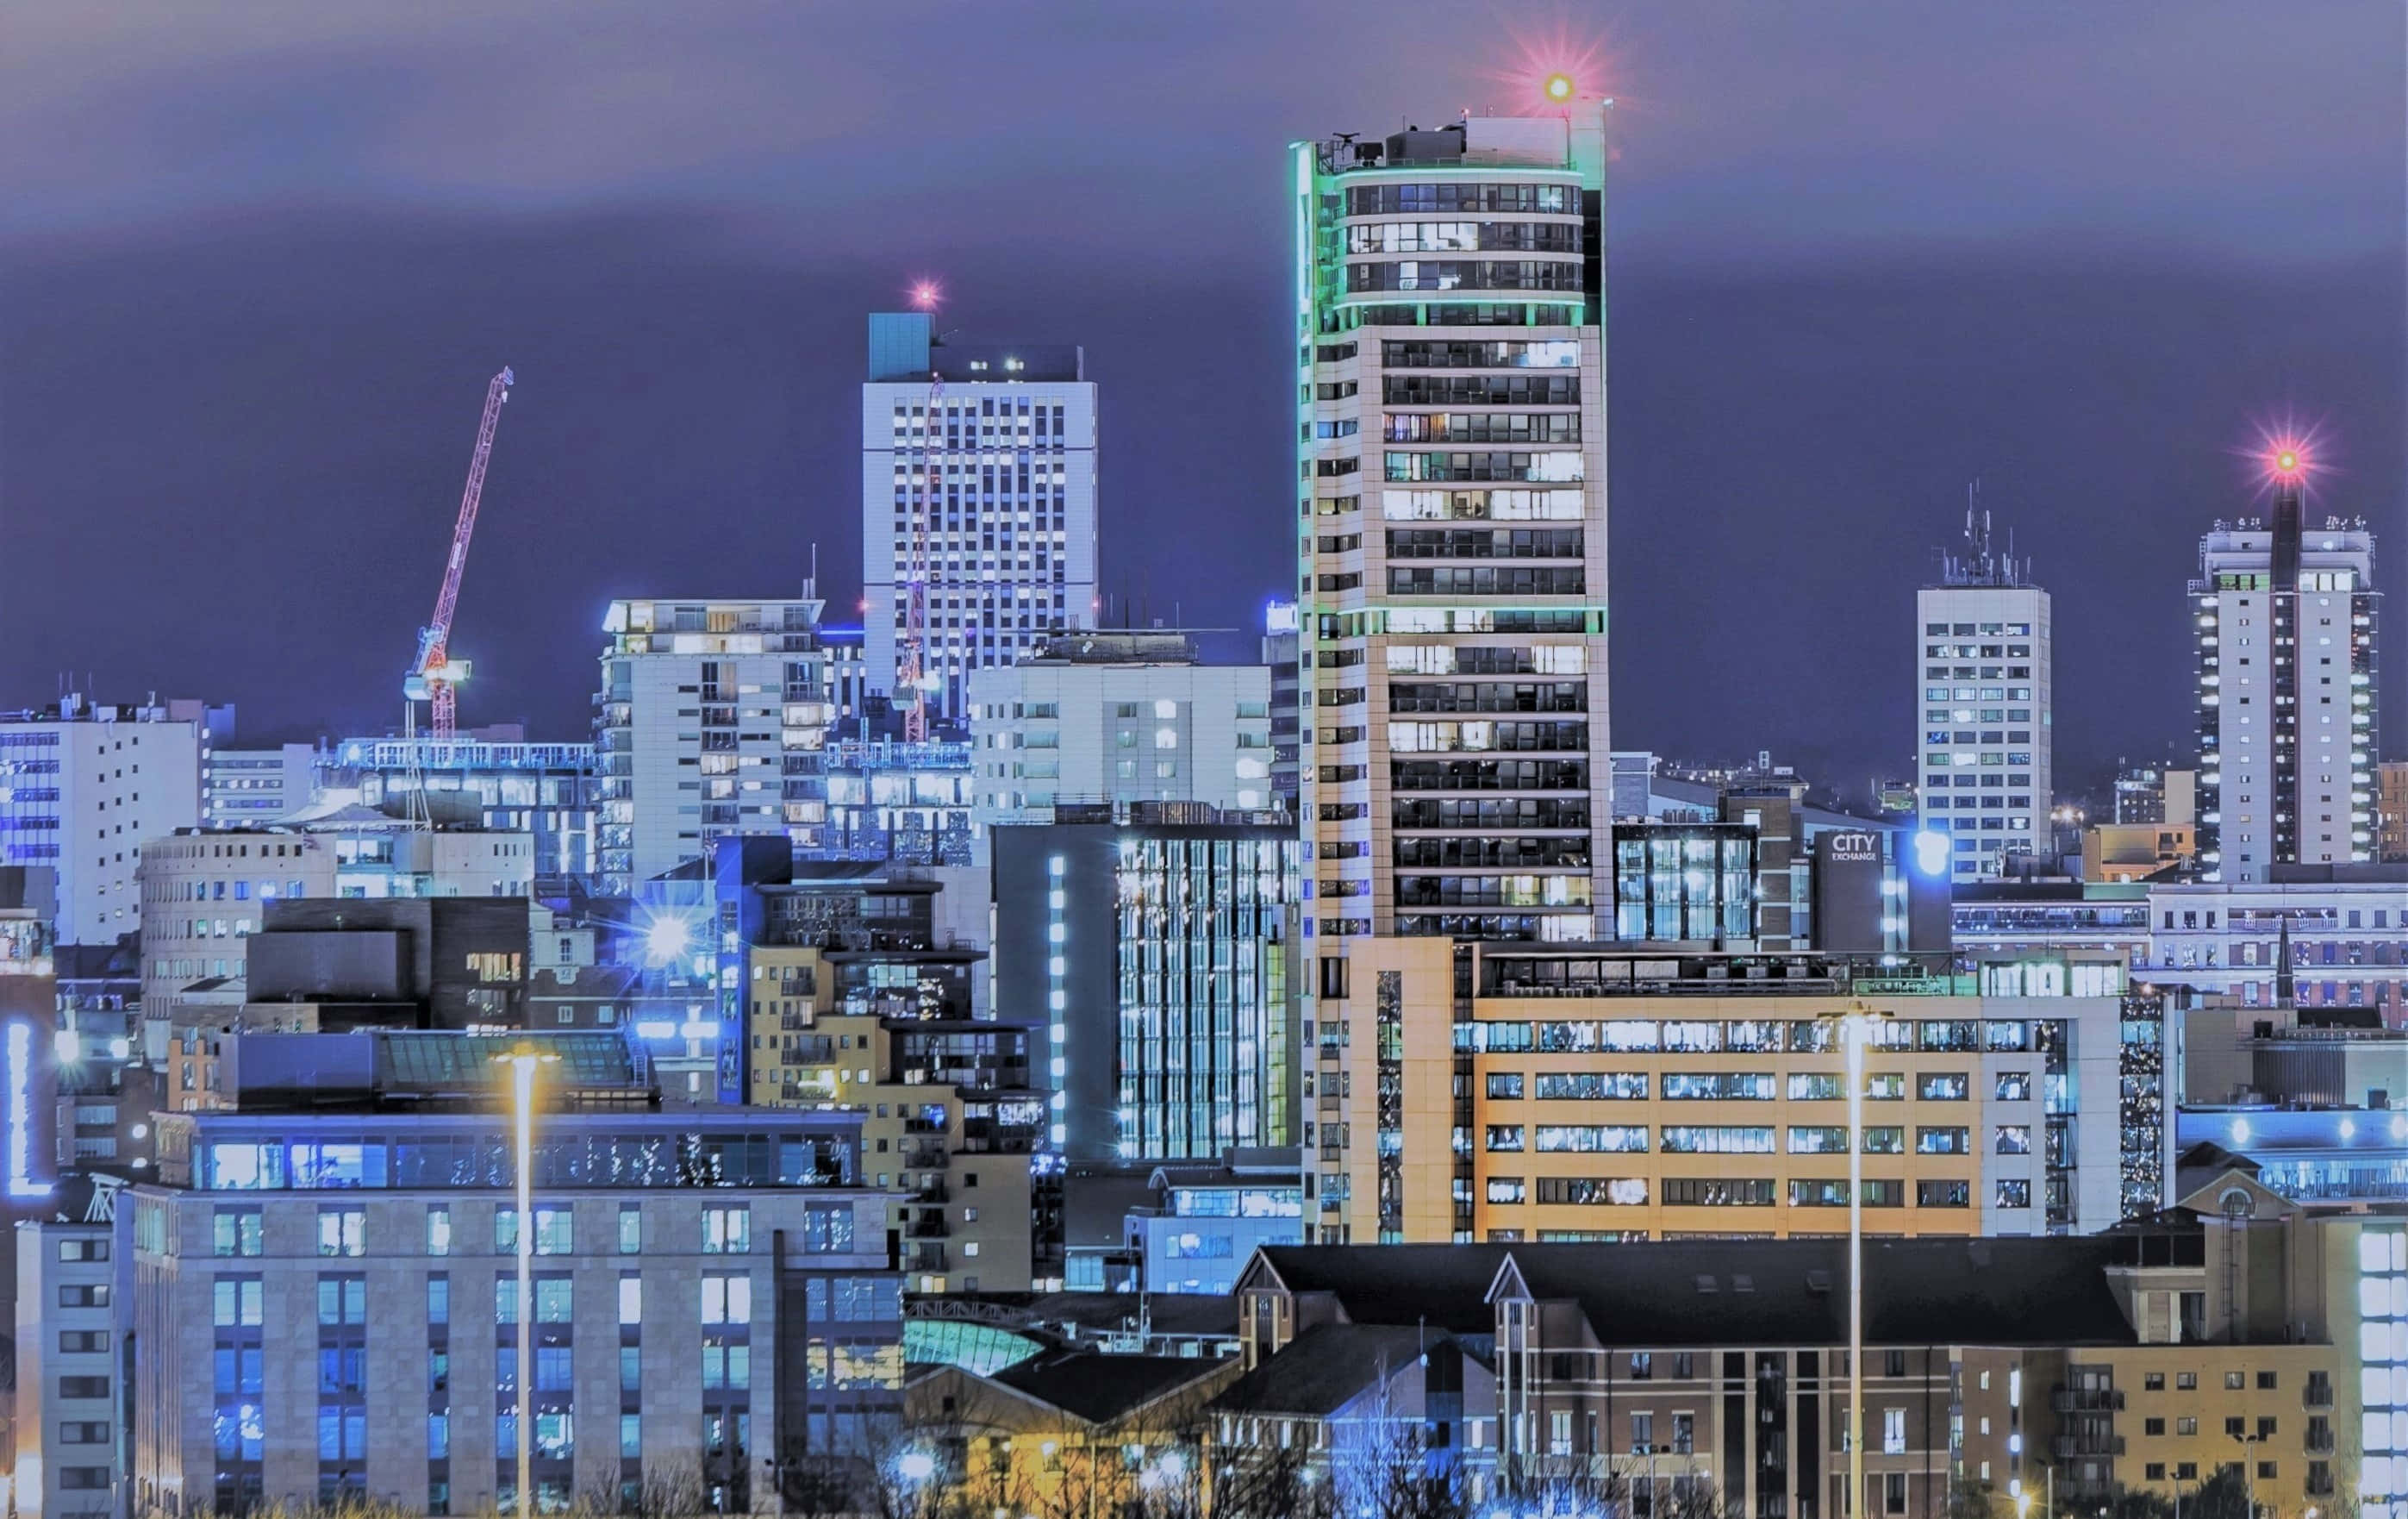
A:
{"points": [[1119, 716], [1069, 1431], [2143, 1358], [714, 1305], [1628, 1095]]}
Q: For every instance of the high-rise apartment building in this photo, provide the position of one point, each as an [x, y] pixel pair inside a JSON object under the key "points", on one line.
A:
{"points": [[2285, 615], [1450, 497], [978, 484], [1982, 684], [708, 725], [1449, 349], [80, 788], [1119, 717]]}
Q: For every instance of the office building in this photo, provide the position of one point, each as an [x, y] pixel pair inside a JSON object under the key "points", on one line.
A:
{"points": [[714, 1308], [207, 889], [1281, 640], [889, 800], [243, 786], [708, 725], [1159, 949], [2157, 793], [2391, 803], [552, 792], [1984, 709], [1117, 717], [1202, 1223], [1450, 311], [2284, 616], [978, 486], [2120, 851], [72, 1285], [82, 788], [1627, 1092], [2347, 928], [1712, 1375]]}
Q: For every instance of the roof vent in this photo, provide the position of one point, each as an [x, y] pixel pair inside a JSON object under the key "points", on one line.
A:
{"points": [[1707, 1283], [1819, 1284], [1743, 1283]]}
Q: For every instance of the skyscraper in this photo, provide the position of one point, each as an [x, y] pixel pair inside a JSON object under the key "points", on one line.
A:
{"points": [[1982, 684], [2286, 619], [1451, 496], [978, 479]]}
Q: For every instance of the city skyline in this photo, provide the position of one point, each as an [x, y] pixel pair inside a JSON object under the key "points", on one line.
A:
{"points": [[686, 325]]}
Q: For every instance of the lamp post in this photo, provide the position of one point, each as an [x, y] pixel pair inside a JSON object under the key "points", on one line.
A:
{"points": [[522, 1064], [1856, 1027]]}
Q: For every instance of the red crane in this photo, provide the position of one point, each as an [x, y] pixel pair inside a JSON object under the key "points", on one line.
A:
{"points": [[434, 674]]}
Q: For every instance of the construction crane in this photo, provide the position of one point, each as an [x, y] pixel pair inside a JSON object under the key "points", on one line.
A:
{"points": [[435, 675]]}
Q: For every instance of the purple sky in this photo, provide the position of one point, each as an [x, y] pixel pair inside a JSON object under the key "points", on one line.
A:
{"points": [[257, 260]]}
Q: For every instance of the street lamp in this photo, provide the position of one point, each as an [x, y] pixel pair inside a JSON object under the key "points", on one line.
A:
{"points": [[522, 1064], [1855, 1029]]}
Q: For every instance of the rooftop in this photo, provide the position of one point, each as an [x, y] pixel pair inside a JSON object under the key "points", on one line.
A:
{"points": [[1102, 1389]]}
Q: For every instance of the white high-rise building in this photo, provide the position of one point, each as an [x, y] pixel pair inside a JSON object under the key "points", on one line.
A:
{"points": [[2285, 615], [80, 788], [984, 492], [1981, 706], [710, 723], [1119, 717]]}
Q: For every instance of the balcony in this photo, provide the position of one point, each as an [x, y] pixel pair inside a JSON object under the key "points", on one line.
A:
{"points": [[925, 1158], [924, 1257], [2067, 1447], [934, 1191], [930, 1225], [2086, 1400], [2317, 1394]]}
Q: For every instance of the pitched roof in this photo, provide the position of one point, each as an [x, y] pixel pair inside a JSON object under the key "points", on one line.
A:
{"points": [[1103, 1388], [1444, 1286], [1753, 1292], [1327, 1366]]}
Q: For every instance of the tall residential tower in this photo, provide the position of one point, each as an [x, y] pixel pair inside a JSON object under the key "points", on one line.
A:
{"points": [[1450, 351], [2286, 617], [1982, 680], [978, 478]]}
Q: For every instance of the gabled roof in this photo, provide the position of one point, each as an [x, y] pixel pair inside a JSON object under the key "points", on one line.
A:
{"points": [[1714, 1291], [1103, 1389], [1328, 1366], [1443, 1286]]}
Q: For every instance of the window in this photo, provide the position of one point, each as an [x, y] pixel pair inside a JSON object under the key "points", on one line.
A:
{"points": [[342, 1231], [234, 1231], [2186, 1426], [2235, 1381], [726, 1298], [94, 1295], [1894, 1432], [631, 1228], [1893, 1492], [727, 1231], [1942, 1086], [2153, 1426], [236, 1300], [2154, 1381], [83, 1387], [1504, 1086], [438, 1231], [631, 1298], [2186, 1380], [438, 1299]]}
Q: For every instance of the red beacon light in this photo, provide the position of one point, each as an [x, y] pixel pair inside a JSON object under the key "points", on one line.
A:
{"points": [[924, 295], [1558, 88]]}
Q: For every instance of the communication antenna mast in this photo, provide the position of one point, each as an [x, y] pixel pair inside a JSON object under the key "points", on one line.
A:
{"points": [[434, 674]]}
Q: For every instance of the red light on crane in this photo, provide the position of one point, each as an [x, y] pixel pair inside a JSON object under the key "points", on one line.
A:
{"points": [[926, 294]]}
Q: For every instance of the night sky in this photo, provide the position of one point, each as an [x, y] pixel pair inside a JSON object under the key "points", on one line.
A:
{"points": [[258, 260]]}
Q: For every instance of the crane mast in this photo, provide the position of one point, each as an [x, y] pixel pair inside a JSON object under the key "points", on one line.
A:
{"points": [[910, 664], [434, 677]]}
